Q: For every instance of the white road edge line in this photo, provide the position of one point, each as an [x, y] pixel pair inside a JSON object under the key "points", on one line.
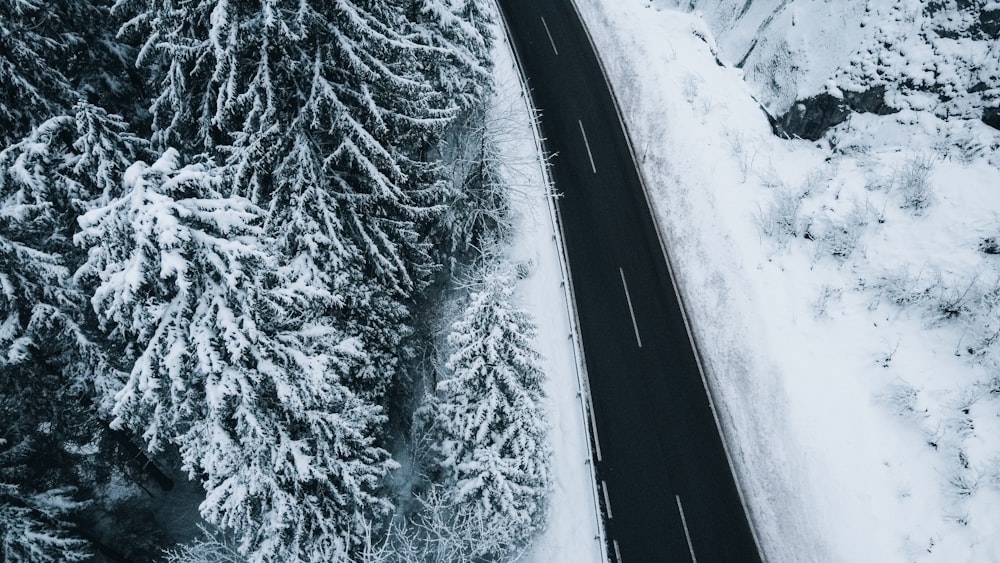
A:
{"points": [[631, 311], [618, 552], [586, 143], [607, 499], [549, 33], [593, 427], [687, 534]]}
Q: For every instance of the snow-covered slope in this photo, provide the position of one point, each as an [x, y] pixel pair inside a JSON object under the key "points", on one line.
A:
{"points": [[787, 48], [941, 56], [845, 291]]}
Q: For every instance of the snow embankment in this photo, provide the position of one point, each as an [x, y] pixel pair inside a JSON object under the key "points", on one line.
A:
{"points": [[842, 293]]}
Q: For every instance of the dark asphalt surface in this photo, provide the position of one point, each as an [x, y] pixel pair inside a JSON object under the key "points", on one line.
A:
{"points": [[662, 459]]}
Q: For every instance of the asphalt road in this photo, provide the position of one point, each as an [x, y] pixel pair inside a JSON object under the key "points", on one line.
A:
{"points": [[668, 492]]}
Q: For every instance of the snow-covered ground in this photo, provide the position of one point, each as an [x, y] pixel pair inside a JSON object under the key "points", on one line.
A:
{"points": [[574, 531], [838, 289]]}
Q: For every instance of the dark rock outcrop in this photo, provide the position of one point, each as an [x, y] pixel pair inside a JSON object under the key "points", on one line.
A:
{"points": [[991, 117], [989, 24], [812, 117], [990, 245]]}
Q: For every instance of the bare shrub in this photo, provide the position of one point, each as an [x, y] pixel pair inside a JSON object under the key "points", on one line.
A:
{"points": [[903, 288], [901, 398], [691, 87], [955, 302], [878, 184], [913, 181], [983, 325], [840, 238], [814, 182], [990, 245], [963, 484], [826, 295], [211, 547], [780, 221], [441, 531], [885, 359], [745, 158]]}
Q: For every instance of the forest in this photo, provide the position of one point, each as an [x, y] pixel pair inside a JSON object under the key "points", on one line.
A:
{"points": [[253, 299]]}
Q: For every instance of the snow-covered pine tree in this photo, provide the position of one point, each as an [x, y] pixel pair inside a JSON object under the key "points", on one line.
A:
{"points": [[457, 54], [481, 15], [456, 57], [47, 180], [52, 371], [48, 450], [53, 54], [45, 450], [489, 417], [265, 81], [228, 367], [33, 528], [31, 83], [322, 118], [151, 253], [305, 220]]}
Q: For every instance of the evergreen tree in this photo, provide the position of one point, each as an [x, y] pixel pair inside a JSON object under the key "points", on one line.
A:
{"points": [[35, 209], [54, 54], [327, 85], [489, 416], [456, 57], [33, 527], [226, 367], [322, 117], [52, 370], [481, 15], [66, 165], [31, 83], [46, 450]]}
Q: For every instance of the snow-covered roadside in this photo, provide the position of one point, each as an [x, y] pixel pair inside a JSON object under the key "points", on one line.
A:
{"points": [[843, 408], [574, 532]]}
